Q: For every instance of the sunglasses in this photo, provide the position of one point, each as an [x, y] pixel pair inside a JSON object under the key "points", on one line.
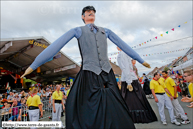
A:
{"points": [[186, 76]]}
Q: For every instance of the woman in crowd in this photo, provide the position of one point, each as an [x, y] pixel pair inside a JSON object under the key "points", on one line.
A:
{"points": [[184, 88]]}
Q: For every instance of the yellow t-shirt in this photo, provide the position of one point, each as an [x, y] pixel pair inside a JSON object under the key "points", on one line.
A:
{"points": [[190, 87], [34, 101], [68, 92], [57, 96], [158, 87], [29, 100], [169, 82]]}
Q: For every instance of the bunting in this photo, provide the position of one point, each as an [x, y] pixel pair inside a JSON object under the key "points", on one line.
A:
{"points": [[158, 53], [157, 36]]}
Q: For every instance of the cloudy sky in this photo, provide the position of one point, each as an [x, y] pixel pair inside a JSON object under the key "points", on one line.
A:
{"points": [[135, 22]]}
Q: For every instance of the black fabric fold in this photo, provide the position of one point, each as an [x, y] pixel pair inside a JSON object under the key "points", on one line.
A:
{"points": [[94, 102], [139, 107]]}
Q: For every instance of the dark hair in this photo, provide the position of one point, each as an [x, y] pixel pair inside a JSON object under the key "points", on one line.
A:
{"points": [[155, 74], [143, 73], [87, 8], [165, 72], [181, 80]]}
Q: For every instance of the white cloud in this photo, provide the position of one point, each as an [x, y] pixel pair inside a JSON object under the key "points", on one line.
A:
{"points": [[133, 21]]}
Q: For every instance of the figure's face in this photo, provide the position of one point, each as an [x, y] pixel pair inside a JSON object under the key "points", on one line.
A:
{"points": [[89, 16], [188, 78], [133, 62], [118, 49]]}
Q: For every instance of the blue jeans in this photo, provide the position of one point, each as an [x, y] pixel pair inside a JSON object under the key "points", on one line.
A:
{"points": [[12, 117]]}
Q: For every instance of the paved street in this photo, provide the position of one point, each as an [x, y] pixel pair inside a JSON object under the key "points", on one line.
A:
{"points": [[158, 124]]}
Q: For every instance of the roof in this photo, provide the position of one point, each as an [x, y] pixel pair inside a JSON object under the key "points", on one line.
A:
{"points": [[17, 54], [116, 68]]}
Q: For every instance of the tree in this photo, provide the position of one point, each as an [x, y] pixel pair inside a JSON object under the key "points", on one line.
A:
{"points": [[166, 69]]}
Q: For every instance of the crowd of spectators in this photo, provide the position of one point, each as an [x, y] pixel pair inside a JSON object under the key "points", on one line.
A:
{"points": [[13, 102]]}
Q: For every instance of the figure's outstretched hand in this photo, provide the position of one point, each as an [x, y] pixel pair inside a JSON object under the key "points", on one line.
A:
{"points": [[28, 71], [146, 65]]}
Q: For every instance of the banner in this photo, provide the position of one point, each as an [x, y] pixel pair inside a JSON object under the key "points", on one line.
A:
{"points": [[5, 47], [65, 68]]}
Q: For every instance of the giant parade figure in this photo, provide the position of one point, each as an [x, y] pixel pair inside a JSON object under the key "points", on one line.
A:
{"points": [[94, 100]]}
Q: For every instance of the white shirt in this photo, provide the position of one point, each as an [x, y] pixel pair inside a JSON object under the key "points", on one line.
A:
{"points": [[124, 62], [47, 94]]}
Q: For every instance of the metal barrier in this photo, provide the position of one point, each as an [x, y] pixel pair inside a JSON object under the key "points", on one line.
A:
{"points": [[13, 112]]}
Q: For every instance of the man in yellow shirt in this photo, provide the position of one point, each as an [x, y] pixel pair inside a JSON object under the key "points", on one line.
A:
{"points": [[57, 100], [35, 106], [188, 76], [158, 89], [171, 86]]}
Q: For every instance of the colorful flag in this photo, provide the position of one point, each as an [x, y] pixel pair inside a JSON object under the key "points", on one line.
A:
{"points": [[179, 26], [156, 37], [166, 32], [142, 43], [185, 22], [150, 39], [162, 35], [173, 29]]}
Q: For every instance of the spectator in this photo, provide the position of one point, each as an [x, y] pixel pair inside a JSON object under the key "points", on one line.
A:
{"points": [[8, 90], [62, 89], [17, 97], [146, 87], [6, 105], [16, 111], [47, 88], [39, 93], [66, 89], [21, 93], [184, 88], [1, 97], [44, 95], [10, 96], [5, 108], [188, 76], [47, 93], [23, 107]]}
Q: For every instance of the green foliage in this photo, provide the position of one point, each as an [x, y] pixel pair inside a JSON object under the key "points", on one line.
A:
{"points": [[166, 69]]}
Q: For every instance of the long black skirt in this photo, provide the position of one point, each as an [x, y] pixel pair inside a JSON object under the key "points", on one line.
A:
{"points": [[139, 107], [94, 102]]}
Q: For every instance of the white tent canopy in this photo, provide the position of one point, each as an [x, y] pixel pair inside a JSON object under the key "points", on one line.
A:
{"points": [[184, 65]]}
